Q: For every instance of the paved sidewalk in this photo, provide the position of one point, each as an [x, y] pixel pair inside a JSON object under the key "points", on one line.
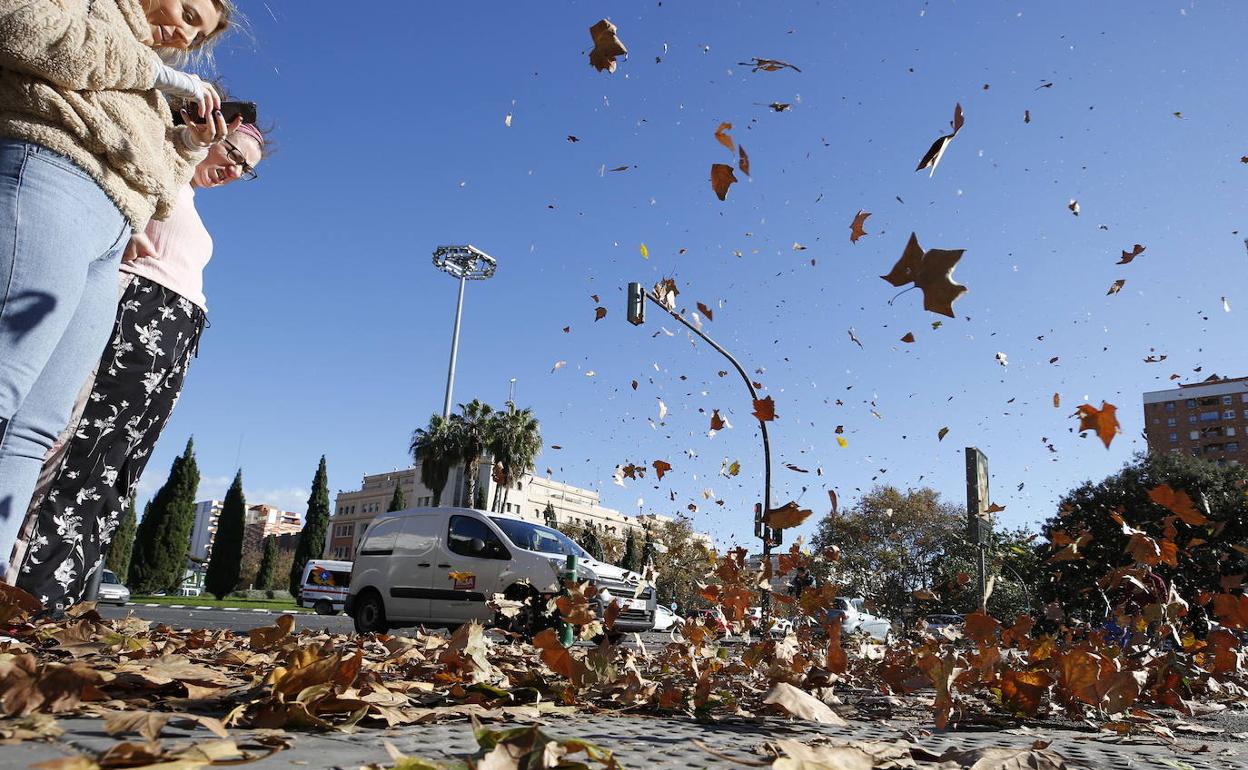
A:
{"points": [[648, 742]]}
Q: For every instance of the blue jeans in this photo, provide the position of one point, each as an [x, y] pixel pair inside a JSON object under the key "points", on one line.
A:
{"points": [[61, 240]]}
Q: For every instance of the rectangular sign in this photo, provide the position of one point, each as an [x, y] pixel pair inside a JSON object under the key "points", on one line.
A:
{"points": [[979, 521]]}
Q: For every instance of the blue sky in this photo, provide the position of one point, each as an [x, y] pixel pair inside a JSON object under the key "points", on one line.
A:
{"points": [[330, 328]]}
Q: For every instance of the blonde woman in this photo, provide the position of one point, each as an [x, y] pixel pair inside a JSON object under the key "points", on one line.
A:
{"points": [[88, 154]]}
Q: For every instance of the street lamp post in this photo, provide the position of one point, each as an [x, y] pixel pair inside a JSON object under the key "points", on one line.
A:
{"points": [[637, 297], [467, 263]]}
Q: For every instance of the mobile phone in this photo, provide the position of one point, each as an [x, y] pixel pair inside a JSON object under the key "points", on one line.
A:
{"points": [[229, 110]]}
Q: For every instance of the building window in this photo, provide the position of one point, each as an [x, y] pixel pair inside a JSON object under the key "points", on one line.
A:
{"points": [[1230, 430], [1209, 416], [1229, 414], [1193, 435], [1191, 418], [1174, 437], [1171, 422], [1232, 446], [1244, 398], [1196, 452], [1169, 406], [1226, 400], [1191, 403]]}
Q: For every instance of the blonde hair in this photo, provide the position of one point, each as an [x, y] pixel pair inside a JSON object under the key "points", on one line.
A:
{"points": [[200, 55]]}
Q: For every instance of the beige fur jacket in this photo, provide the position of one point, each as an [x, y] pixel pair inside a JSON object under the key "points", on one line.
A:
{"points": [[77, 77]]}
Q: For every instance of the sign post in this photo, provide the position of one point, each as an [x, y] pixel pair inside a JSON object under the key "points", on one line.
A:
{"points": [[979, 521]]}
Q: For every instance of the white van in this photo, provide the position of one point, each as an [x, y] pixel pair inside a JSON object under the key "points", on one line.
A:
{"points": [[324, 585], [440, 567]]}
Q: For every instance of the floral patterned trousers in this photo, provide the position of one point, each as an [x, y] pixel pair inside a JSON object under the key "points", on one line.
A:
{"points": [[88, 481]]}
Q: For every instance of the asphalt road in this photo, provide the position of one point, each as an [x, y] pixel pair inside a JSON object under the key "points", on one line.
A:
{"points": [[244, 619]]}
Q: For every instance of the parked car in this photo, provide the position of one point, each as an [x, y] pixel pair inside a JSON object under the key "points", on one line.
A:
{"points": [[855, 619], [665, 619], [440, 566], [714, 619], [112, 590], [776, 626], [936, 624], [324, 585]]}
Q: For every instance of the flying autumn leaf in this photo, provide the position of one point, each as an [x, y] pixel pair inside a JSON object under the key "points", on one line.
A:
{"points": [[645, 253], [1103, 421], [743, 160], [607, 46], [908, 338], [717, 422], [764, 409], [1026, 116], [1116, 286], [1073, 206], [842, 441], [767, 65], [721, 136], [661, 467], [934, 153], [722, 178], [1179, 502], [932, 272], [786, 516], [855, 228], [599, 313], [1057, 400], [706, 312], [1127, 256], [782, 107], [940, 435]]}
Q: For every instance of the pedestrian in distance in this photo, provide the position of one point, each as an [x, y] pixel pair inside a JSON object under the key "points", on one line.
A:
{"points": [[88, 155], [90, 476]]}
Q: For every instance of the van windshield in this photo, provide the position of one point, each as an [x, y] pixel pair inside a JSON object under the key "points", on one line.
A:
{"points": [[535, 537]]}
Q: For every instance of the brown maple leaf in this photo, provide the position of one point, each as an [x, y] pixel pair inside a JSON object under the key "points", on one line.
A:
{"points": [[932, 272], [1103, 421], [934, 153], [940, 434], [599, 313], [1127, 256], [786, 516], [1179, 502], [855, 227], [717, 422], [908, 338], [607, 46], [706, 311], [764, 409], [743, 160], [661, 467], [722, 178], [721, 136], [767, 65]]}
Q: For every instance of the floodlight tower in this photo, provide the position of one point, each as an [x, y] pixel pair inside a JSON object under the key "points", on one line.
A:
{"points": [[467, 263]]}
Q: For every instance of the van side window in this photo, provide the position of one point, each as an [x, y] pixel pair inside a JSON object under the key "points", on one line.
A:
{"points": [[464, 529]]}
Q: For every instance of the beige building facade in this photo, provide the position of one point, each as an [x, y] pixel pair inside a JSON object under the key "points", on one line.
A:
{"points": [[527, 498]]}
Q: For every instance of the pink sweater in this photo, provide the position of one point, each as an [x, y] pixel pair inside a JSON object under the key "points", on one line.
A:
{"points": [[184, 248]]}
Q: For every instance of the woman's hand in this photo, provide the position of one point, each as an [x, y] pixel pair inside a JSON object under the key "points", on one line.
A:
{"points": [[211, 131], [140, 246]]}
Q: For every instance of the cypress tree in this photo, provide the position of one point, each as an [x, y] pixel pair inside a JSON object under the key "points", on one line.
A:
{"points": [[630, 562], [268, 564], [226, 562], [552, 520], [315, 525], [590, 542], [647, 550], [398, 501], [163, 537], [123, 543]]}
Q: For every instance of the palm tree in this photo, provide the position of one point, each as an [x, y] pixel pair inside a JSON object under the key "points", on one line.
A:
{"points": [[515, 441], [470, 434], [436, 451]]}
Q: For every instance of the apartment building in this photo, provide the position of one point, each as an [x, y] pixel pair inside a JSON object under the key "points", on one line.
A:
{"points": [[207, 513], [528, 498], [1206, 419], [261, 521]]}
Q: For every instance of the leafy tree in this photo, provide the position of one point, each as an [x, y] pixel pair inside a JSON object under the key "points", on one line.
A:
{"points": [[1086, 545], [398, 501], [890, 543], [1015, 572], [515, 440], [163, 537], [268, 564], [434, 451], [631, 559], [680, 561], [647, 548], [315, 525], [225, 563], [590, 542], [470, 431], [548, 515], [120, 548]]}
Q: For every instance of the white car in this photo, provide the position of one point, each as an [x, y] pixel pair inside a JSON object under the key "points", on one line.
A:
{"points": [[776, 626], [324, 585], [665, 619], [856, 620], [441, 566], [112, 590]]}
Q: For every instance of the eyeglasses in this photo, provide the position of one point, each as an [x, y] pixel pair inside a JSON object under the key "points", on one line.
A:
{"points": [[238, 159]]}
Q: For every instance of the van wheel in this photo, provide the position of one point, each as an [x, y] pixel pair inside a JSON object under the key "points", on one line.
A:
{"points": [[370, 614], [323, 607]]}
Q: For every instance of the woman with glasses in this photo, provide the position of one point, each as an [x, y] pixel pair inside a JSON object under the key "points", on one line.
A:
{"points": [[90, 475]]}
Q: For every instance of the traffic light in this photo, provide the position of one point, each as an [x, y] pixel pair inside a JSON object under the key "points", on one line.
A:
{"points": [[636, 304]]}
